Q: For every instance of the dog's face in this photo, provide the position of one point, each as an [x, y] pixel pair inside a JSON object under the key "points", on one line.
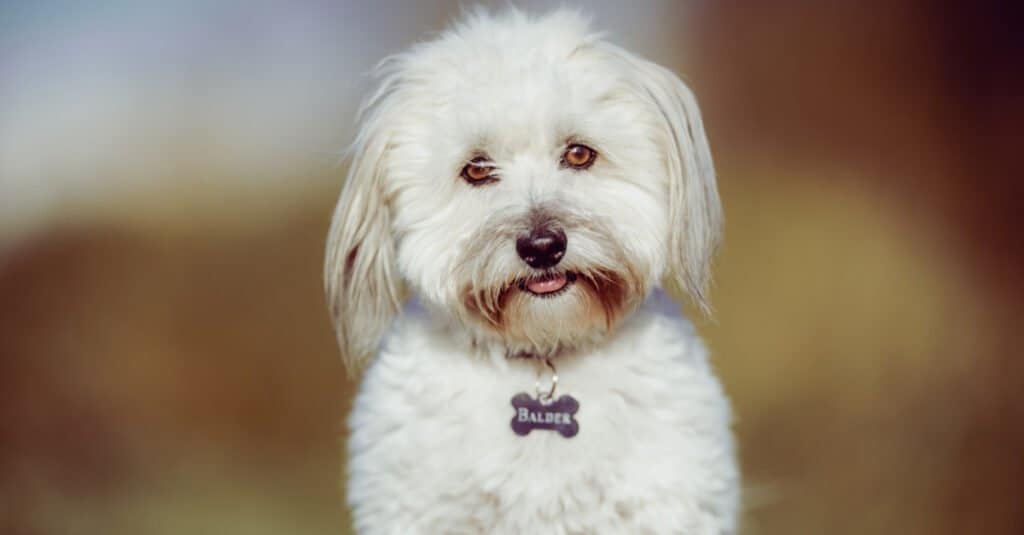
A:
{"points": [[527, 179]]}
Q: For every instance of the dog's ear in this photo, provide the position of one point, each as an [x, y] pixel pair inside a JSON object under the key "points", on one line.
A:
{"points": [[694, 208], [363, 289]]}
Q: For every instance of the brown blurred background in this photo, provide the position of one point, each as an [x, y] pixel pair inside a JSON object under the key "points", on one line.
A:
{"points": [[166, 179]]}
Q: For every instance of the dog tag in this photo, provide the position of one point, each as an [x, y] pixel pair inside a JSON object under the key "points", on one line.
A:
{"points": [[533, 414]]}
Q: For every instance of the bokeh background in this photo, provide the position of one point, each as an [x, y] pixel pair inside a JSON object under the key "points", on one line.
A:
{"points": [[167, 172]]}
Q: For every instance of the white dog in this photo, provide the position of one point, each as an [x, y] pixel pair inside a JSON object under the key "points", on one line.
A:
{"points": [[532, 185]]}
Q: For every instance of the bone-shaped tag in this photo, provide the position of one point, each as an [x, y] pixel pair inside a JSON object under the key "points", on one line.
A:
{"points": [[531, 414]]}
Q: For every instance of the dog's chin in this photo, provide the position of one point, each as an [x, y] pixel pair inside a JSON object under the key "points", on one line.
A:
{"points": [[553, 311]]}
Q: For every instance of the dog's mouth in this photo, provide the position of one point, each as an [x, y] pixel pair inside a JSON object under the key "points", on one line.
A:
{"points": [[548, 284]]}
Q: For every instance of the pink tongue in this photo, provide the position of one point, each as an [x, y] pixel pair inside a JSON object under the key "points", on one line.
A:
{"points": [[547, 285]]}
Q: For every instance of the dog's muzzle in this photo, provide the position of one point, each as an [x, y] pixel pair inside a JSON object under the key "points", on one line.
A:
{"points": [[542, 249]]}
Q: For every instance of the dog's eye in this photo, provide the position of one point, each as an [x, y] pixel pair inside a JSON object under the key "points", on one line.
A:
{"points": [[579, 157], [478, 171]]}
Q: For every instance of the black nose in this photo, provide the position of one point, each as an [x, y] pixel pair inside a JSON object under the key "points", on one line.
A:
{"points": [[542, 248]]}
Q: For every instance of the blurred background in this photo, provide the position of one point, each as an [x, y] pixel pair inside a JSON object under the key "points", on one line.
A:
{"points": [[167, 172]]}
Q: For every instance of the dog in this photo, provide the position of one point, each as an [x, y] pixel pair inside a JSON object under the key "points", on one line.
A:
{"points": [[522, 197]]}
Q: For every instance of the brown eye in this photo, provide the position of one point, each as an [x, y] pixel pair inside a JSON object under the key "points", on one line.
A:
{"points": [[478, 171], [579, 157]]}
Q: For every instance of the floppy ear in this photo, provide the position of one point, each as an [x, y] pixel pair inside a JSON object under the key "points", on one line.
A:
{"points": [[363, 290], [694, 209]]}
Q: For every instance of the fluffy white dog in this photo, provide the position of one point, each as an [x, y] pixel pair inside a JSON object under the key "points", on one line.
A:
{"points": [[533, 186]]}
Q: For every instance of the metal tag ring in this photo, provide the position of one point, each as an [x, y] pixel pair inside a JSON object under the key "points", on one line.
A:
{"points": [[550, 394]]}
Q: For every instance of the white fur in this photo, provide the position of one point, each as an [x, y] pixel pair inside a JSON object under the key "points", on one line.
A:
{"points": [[431, 449]]}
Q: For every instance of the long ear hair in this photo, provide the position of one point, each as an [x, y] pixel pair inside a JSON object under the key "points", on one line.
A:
{"points": [[694, 209], [363, 290]]}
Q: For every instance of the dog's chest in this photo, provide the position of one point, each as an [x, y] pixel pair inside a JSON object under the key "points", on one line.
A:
{"points": [[432, 434]]}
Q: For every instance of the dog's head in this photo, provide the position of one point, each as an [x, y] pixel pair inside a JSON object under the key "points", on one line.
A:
{"points": [[526, 178]]}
